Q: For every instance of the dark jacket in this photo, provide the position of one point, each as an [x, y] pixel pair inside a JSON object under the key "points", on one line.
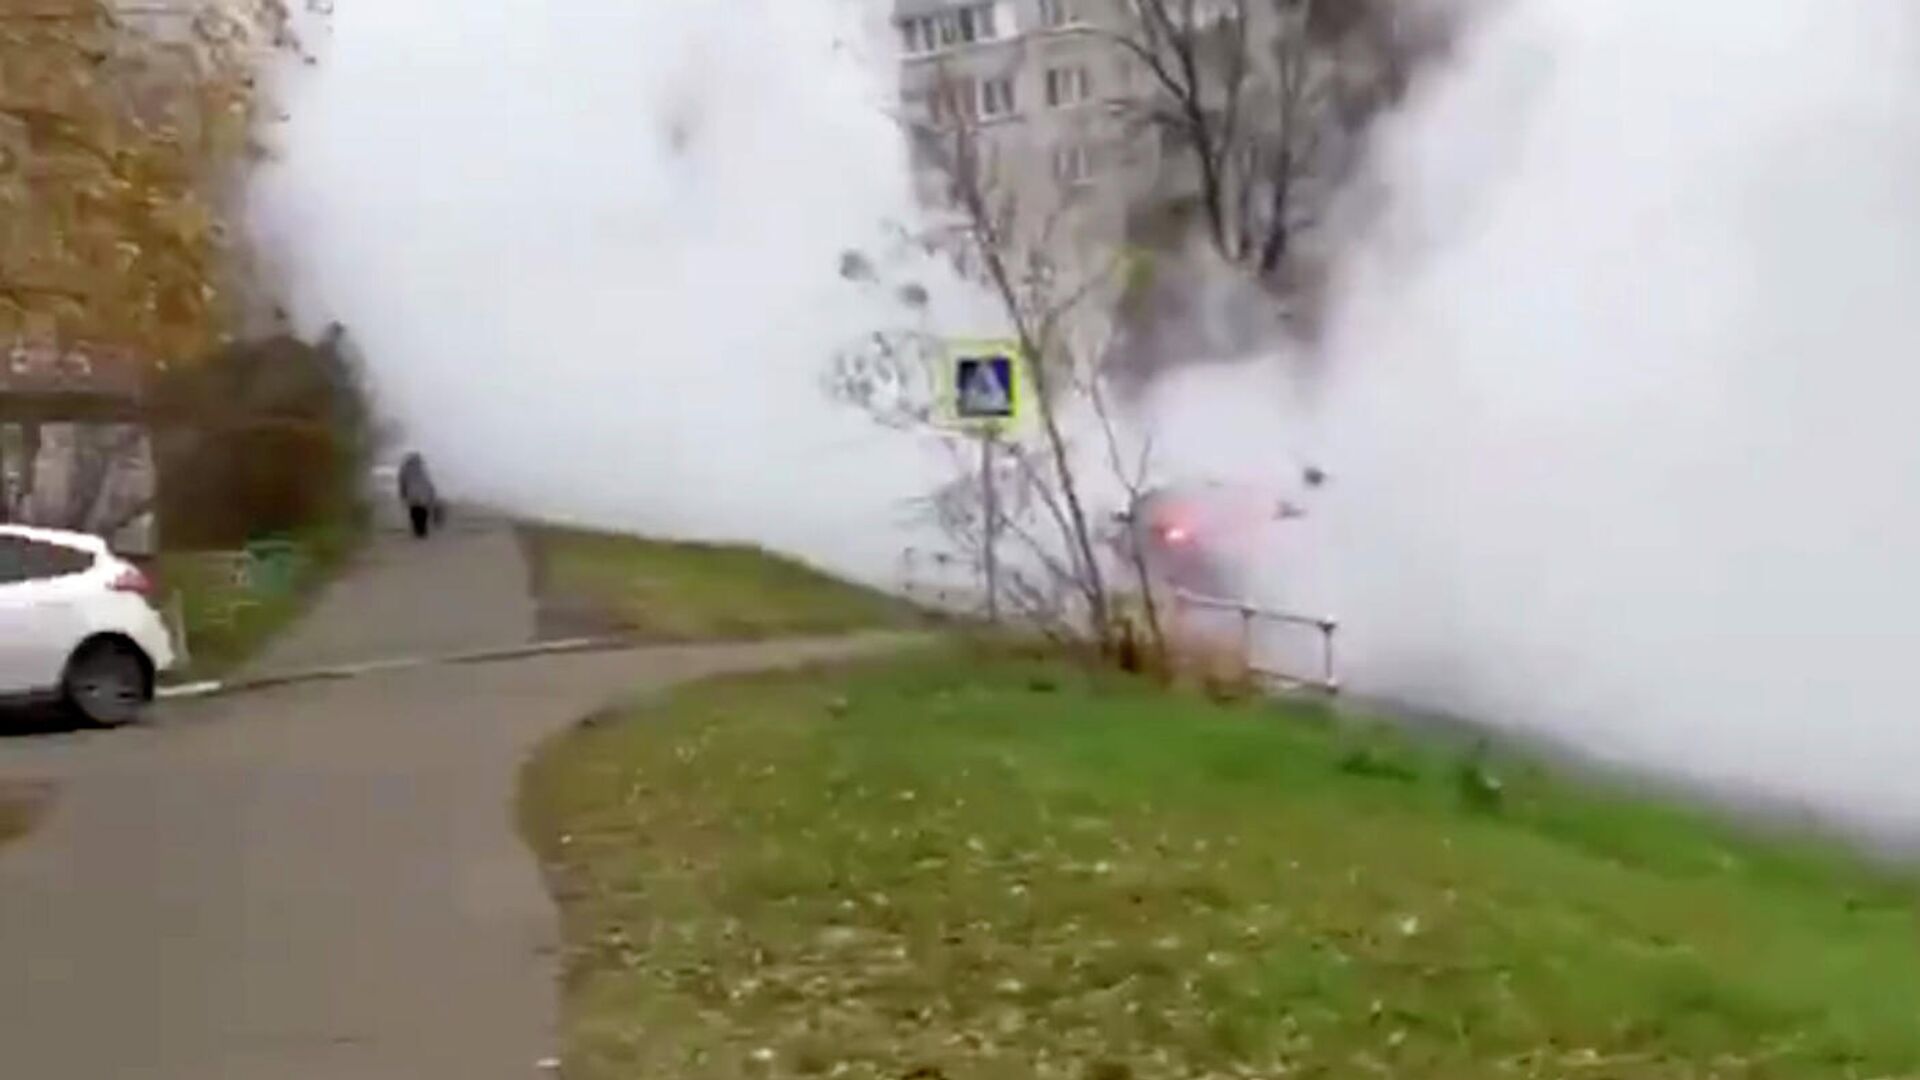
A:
{"points": [[416, 487]]}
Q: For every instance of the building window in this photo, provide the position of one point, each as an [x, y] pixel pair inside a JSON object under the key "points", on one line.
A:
{"points": [[1067, 86], [1073, 163], [985, 16], [918, 35], [923, 34], [1056, 13], [976, 24], [963, 100], [996, 97]]}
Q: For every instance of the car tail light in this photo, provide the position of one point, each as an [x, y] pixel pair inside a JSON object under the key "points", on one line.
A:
{"points": [[130, 579]]}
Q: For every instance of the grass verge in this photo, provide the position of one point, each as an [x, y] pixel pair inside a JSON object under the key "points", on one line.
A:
{"points": [[228, 621], [590, 583], [954, 865]]}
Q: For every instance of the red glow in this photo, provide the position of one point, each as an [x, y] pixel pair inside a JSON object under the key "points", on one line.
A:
{"points": [[1176, 534]]}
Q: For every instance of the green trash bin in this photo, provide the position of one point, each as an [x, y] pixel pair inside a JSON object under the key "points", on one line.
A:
{"points": [[274, 566]]}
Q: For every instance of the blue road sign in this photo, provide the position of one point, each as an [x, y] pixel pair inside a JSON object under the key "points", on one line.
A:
{"points": [[984, 388]]}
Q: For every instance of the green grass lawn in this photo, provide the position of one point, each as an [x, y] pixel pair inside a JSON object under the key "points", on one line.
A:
{"points": [[682, 592], [962, 865], [226, 621]]}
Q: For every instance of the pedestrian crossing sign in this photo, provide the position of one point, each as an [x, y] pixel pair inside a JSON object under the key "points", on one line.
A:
{"points": [[985, 383]]}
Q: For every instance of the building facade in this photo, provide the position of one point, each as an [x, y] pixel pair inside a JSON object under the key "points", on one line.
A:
{"points": [[1051, 99], [1064, 106]]}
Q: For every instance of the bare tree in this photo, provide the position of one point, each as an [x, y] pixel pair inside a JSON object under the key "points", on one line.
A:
{"points": [[94, 463], [1198, 54], [99, 452], [1135, 480], [1260, 95], [1051, 286], [1287, 152], [19, 452]]}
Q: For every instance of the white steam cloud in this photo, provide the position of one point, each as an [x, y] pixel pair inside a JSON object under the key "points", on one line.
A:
{"points": [[589, 251], [1619, 403]]}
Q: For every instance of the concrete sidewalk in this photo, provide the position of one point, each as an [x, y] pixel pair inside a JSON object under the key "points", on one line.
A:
{"points": [[316, 882], [319, 880], [463, 590]]}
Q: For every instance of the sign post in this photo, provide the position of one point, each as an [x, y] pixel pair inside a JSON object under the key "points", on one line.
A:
{"points": [[990, 526], [986, 399]]}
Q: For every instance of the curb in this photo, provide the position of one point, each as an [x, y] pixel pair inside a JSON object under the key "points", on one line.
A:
{"points": [[220, 687]]}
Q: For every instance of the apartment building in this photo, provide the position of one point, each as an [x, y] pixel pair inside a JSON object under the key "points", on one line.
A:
{"points": [[1047, 93]]}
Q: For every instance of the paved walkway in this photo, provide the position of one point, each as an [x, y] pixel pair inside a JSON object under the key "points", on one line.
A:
{"points": [[461, 590], [318, 882]]}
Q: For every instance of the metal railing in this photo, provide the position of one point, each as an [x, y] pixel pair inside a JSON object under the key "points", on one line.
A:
{"points": [[939, 580], [1326, 680]]}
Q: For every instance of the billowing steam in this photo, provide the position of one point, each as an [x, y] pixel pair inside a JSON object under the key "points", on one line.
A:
{"points": [[588, 249], [1619, 400], [1617, 403]]}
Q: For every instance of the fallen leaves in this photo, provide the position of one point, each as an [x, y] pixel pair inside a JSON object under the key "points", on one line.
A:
{"points": [[805, 897]]}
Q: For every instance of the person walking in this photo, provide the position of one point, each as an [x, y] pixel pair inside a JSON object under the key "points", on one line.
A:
{"points": [[418, 493]]}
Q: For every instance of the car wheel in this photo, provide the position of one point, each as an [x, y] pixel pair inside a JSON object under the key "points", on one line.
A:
{"points": [[106, 683]]}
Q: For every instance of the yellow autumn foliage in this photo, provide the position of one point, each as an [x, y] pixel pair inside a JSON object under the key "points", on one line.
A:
{"points": [[125, 131]]}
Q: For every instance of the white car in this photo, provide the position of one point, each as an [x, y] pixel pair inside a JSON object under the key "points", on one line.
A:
{"points": [[76, 626]]}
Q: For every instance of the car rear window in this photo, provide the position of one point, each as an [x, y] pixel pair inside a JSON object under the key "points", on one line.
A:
{"points": [[22, 559]]}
